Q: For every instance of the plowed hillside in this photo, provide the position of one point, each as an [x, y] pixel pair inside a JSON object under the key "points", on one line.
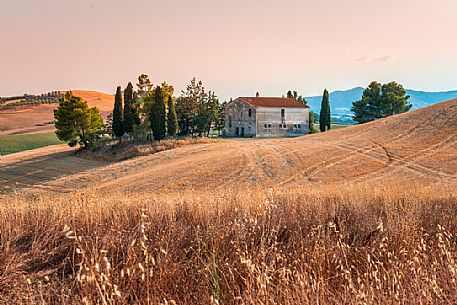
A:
{"points": [[416, 149], [101, 100], [32, 119]]}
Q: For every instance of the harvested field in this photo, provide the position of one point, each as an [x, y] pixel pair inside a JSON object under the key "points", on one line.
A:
{"points": [[417, 148], [28, 170], [361, 215]]}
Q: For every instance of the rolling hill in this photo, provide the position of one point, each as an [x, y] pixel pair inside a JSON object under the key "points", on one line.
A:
{"points": [[417, 148], [36, 118]]}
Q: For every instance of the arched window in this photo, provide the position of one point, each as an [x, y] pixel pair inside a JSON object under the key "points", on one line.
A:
{"points": [[250, 112]]}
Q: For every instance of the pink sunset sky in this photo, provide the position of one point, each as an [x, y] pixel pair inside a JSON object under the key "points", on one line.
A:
{"points": [[235, 47]]}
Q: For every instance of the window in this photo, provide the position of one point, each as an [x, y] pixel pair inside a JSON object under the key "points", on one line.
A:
{"points": [[269, 125], [298, 126], [230, 121], [282, 126], [250, 112], [283, 113], [265, 125]]}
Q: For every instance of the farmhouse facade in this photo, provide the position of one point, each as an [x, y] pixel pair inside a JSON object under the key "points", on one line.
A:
{"points": [[266, 117]]}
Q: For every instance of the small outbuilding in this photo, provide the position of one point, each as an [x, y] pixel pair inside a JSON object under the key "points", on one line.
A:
{"points": [[266, 117]]}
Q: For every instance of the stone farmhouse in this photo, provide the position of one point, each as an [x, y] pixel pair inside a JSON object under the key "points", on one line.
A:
{"points": [[266, 117]]}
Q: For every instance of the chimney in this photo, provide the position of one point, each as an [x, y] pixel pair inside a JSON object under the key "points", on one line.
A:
{"points": [[257, 94]]}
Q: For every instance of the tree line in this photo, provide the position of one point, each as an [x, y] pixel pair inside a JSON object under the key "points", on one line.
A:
{"points": [[149, 112], [155, 112]]}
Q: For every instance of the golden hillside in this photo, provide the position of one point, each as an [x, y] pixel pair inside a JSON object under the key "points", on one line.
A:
{"points": [[32, 119], [418, 148]]}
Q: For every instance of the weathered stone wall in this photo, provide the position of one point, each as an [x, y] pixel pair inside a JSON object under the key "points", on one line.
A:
{"points": [[264, 121], [270, 123], [238, 120]]}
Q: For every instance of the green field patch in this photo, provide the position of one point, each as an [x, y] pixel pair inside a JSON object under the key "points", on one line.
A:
{"points": [[10, 144], [333, 126]]}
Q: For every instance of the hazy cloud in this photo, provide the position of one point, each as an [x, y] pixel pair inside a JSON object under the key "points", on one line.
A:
{"points": [[383, 58], [362, 58], [365, 57]]}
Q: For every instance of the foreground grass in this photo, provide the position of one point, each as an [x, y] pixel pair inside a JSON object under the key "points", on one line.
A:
{"points": [[10, 144], [257, 246]]}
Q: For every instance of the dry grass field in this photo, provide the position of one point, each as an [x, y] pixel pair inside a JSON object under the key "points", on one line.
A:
{"points": [[361, 215]]}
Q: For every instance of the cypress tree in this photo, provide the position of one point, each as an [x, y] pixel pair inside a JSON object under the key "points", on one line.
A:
{"points": [[129, 115], [172, 121], [136, 108], [118, 125], [214, 111], [311, 122], [157, 116], [325, 117]]}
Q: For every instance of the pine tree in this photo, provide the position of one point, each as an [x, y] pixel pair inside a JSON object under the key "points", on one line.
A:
{"points": [[192, 109], [144, 85], [129, 112], [394, 99], [157, 116], [172, 121], [325, 117], [76, 122], [380, 101], [118, 118]]}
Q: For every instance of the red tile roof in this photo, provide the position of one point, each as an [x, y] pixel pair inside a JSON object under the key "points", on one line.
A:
{"points": [[274, 102]]}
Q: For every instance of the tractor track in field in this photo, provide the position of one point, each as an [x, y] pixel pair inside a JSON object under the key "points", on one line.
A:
{"points": [[333, 161]]}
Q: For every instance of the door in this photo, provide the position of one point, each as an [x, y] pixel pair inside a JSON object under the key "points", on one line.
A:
{"points": [[237, 131], [242, 132]]}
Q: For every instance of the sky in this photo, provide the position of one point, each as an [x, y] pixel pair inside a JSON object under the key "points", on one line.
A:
{"points": [[235, 47]]}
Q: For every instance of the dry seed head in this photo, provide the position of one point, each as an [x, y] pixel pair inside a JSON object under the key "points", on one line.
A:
{"points": [[70, 235]]}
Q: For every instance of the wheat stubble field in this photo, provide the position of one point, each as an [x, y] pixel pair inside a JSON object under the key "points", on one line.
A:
{"points": [[363, 215]]}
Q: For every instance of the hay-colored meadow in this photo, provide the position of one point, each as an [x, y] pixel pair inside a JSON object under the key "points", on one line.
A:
{"points": [[364, 215]]}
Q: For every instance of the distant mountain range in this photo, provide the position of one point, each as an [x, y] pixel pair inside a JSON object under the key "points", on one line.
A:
{"points": [[341, 101]]}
